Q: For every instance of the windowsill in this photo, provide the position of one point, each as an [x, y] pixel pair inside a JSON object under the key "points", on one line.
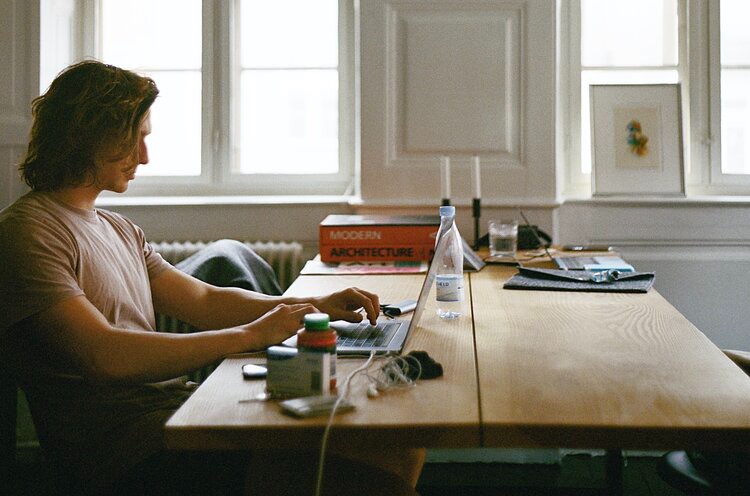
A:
{"points": [[707, 200], [625, 200], [156, 201]]}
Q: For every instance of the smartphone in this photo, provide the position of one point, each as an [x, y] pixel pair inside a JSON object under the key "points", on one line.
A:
{"points": [[400, 308], [313, 406], [586, 248], [253, 371]]}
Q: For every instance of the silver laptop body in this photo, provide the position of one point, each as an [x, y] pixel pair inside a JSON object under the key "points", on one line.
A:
{"points": [[388, 336]]}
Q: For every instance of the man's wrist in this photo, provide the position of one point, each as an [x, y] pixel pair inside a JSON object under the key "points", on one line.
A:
{"points": [[294, 300]]}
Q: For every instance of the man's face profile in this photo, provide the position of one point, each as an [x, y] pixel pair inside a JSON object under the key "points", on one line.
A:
{"points": [[115, 174]]}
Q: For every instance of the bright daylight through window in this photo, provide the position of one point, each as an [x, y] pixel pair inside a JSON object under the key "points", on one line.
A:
{"points": [[142, 35], [289, 80], [620, 44], [638, 41], [735, 81], [258, 99]]}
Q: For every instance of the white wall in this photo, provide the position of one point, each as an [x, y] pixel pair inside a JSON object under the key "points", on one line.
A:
{"points": [[700, 249], [19, 80]]}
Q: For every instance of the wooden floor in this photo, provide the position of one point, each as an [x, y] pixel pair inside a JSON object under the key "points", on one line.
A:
{"points": [[577, 475]]}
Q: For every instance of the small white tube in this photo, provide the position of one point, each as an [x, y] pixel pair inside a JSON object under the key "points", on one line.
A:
{"points": [[445, 177]]}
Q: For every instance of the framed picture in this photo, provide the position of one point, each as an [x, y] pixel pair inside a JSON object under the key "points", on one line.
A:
{"points": [[636, 140]]}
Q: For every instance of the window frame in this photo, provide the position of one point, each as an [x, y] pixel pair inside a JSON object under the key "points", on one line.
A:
{"points": [[699, 69], [220, 75], [718, 178]]}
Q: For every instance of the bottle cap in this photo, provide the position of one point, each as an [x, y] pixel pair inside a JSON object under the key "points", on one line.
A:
{"points": [[316, 321], [447, 210]]}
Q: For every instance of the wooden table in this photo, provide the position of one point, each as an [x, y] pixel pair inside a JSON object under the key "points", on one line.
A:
{"points": [[549, 369], [437, 413], [600, 370]]}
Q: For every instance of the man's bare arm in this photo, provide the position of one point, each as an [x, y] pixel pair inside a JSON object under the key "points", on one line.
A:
{"points": [[203, 305], [209, 307], [81, 341]]}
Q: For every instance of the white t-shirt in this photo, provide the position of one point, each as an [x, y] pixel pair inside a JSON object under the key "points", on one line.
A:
{"points": [[50, 251]]}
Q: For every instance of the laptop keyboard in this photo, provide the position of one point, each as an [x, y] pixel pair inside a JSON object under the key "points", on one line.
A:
{"points": [[367, 335]]}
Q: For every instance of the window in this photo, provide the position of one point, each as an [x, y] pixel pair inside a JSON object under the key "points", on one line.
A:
{"points": [[735, 80], [664, 41], [256, 97]]}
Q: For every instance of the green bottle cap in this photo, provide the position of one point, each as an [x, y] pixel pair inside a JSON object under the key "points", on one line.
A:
{"points": [[316, 321]]}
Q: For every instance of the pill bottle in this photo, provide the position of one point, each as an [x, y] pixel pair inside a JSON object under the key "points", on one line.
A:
{"points": [[318, 337]]}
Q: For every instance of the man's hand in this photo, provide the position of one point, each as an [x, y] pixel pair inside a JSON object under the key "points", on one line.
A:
{"points": [[279, 323], [346, 304]]}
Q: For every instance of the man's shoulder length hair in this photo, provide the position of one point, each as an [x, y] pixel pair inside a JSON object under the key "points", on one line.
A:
{"points": [[89, 110]]}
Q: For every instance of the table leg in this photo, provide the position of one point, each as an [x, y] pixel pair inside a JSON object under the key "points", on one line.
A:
{"points": [[613, 472]]}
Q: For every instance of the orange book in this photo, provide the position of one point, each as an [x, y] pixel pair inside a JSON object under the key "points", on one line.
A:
{"points": [[370, 238]]}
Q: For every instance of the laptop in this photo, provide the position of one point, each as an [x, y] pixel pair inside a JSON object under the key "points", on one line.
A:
{"points": [[593, 263], [388, 336]]}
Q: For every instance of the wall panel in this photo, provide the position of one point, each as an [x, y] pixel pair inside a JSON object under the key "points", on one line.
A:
{"points": [[456, 88], [458, 78], [19, 58], [19, 83]]}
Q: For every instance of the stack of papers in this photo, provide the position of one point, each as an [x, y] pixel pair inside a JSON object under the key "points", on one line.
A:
{"points": [[316, 266]]}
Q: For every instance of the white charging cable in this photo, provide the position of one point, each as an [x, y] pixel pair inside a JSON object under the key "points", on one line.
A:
{"points": [[396, 372], [392, 374], [342, 395]]}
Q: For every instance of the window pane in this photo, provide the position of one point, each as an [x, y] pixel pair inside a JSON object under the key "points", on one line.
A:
{"points": [[162, 39], [289, 122], [273, 37], [627, 34], [735, 122], [289, 33], [152, 34], [735, 101], [735, 35], [174, 144]]}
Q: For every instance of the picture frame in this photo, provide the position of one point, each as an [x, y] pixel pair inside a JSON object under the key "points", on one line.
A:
{"points": [[636, 140]]}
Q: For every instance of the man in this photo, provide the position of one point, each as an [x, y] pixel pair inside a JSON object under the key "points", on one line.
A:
{"points": [[80, 287]]}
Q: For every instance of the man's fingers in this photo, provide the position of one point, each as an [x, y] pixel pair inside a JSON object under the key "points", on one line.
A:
{"points": [[305, 309], [298, 310], [369, 302]]}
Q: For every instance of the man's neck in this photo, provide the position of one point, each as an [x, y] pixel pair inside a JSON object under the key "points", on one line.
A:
{"points": [[81, 197]]}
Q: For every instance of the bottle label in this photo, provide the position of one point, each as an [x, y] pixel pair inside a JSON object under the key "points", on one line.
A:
{"points": [[450, 287]]}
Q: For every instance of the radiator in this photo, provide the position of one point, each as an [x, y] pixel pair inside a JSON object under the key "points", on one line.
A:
{"points": [[285, 258]]}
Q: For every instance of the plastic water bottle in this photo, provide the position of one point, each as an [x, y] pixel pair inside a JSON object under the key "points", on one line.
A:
{"points": [[450, 272]]}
